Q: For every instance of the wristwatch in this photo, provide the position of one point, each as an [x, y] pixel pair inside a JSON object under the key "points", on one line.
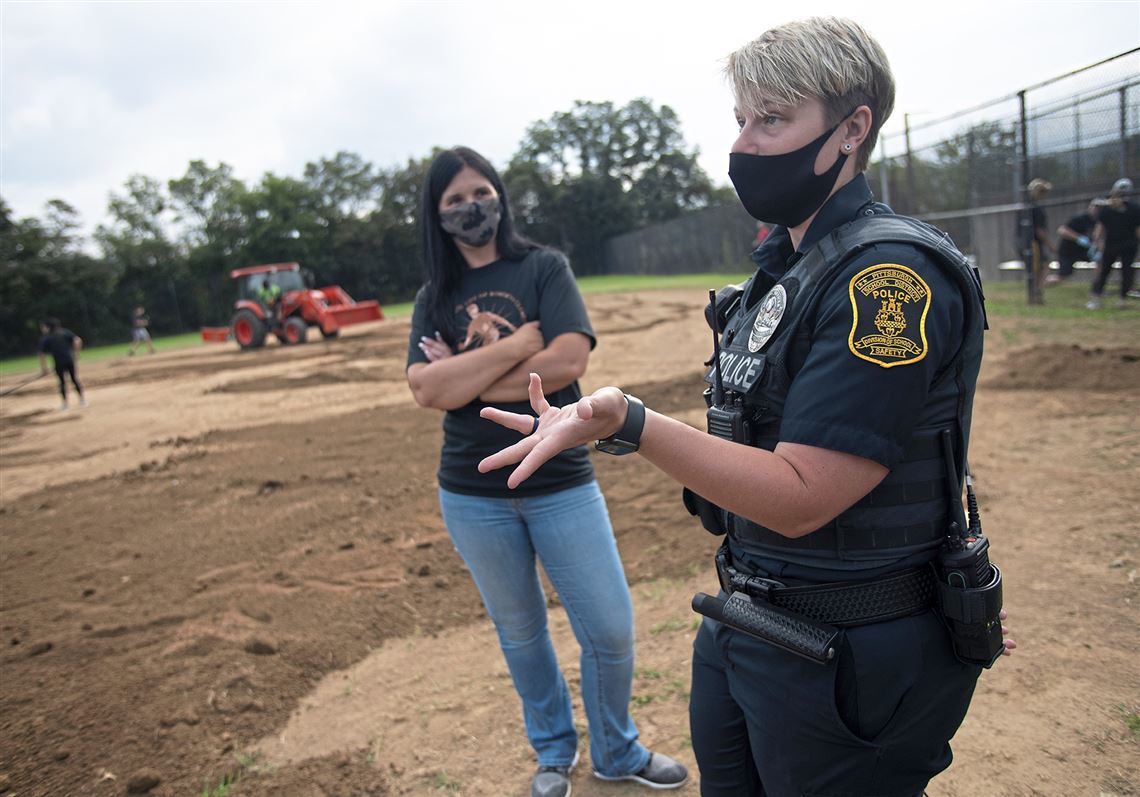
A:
{"points": [[627, 439]]}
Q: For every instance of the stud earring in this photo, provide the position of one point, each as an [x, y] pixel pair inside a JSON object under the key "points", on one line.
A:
{"points": [[846, 147]]}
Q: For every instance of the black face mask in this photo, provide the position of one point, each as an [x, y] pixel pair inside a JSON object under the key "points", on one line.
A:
{"points": [[783, 189], [473, 223]]}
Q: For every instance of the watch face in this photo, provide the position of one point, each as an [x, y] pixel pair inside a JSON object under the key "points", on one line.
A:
{"points": [[616, 446]]}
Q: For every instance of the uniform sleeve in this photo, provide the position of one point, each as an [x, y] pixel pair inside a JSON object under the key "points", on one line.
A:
{"points": [[560, 305], [419, 329], [888, 325]]}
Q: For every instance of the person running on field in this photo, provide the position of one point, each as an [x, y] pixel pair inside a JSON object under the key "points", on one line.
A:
{"points": [[140, 333], [63, 345]]}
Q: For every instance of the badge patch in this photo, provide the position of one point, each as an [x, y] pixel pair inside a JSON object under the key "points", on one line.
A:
{"points": [[772, 308], [889, 304]]}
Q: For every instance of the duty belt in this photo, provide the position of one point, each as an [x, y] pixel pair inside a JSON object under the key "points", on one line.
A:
{"points": [[841, 604]]}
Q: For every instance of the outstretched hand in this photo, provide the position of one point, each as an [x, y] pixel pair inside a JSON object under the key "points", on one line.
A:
{"points": [[590, 418]]}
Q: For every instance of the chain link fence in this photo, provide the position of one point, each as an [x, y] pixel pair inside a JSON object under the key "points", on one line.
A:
{"points": [[967, 172]]}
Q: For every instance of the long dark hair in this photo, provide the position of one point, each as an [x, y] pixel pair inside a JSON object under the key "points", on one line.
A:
{"points": [[443, 263]]}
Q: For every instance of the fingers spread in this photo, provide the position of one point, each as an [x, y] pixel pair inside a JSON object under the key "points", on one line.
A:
{"points": [[512, 420], [508, 456], [534, 390]]}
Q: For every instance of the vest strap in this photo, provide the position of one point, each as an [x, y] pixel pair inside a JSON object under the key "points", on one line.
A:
{"points": [[839, 537]]}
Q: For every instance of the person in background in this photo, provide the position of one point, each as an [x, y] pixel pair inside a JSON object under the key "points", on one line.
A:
{"points": [[63, 345], [1075, 242], [1035, 239], [495, 308], [269, 294], [762, 231], [1119, 228], [839, 419], [140, 332]]}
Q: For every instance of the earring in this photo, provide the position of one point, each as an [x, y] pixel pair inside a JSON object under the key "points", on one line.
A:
{"points": [[846, 147]]}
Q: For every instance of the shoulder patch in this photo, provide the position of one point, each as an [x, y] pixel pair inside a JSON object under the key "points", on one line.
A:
{"points": [[889, 304]]}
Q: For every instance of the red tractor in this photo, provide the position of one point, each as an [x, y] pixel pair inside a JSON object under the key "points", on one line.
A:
{"points": [[275, 298]]}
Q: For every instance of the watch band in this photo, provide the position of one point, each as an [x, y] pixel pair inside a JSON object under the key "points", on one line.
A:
{"points": [[627, 439]]}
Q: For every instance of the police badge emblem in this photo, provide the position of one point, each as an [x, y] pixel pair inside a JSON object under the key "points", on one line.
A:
{"points": [[768, 317], [889, 304]]}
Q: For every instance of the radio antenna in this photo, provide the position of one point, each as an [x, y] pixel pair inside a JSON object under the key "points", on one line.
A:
{"points": [[718, 383]]}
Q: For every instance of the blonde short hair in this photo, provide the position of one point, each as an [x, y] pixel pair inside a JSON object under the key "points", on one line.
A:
{"points": [[827, 58], [1038, 187]]}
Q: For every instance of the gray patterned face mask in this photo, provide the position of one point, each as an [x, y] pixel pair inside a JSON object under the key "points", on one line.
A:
{"points": [[473, 223]]}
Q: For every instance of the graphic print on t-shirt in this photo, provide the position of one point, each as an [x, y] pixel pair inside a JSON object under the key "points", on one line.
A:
{"points": [[486, 317]]}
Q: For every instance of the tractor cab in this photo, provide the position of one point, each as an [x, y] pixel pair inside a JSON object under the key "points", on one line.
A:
{"points": [[296, 307], [249, 285]]}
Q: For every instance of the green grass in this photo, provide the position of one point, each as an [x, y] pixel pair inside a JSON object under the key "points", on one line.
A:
{"points": [[1131, 720], [648, 282], [1064, 303], [29, 365]]}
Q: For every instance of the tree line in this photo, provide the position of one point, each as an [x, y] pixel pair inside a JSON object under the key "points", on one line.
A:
{"points": [[577, 178]]}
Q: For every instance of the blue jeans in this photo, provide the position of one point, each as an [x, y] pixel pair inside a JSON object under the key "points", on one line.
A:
{"points": [[570, 532]]}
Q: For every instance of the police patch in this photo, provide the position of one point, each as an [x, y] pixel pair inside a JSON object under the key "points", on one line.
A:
{"points": [[772, 308], [889, 304]]}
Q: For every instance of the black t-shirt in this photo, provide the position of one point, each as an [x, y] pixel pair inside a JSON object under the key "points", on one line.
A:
{"points": [[1081, 224], [490, 304], [60, 345], [1120, 225]]}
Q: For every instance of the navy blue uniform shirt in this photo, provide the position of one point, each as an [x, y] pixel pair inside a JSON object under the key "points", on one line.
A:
{"points": [[838, 400]]}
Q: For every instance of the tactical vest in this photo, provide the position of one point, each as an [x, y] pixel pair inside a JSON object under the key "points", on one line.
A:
{"points": [[909, 512]]}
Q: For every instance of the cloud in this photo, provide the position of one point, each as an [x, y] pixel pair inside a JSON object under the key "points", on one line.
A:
{"points": [[94, 92]]}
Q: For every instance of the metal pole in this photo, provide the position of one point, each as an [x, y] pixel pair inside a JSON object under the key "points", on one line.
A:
{"points": [[177, 309], [1123, 131], [1024, 142], [1077, 147], [884, 182], [910, 181], [971, 169]]}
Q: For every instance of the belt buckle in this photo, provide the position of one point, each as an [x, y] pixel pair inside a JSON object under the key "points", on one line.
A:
{"points": [[760, 587]]}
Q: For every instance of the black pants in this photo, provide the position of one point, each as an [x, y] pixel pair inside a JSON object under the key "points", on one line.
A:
{"points": [[65, 369], [1126, 255], [877, 721]]}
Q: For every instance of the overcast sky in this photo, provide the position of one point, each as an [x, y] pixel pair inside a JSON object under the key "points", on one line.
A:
{"points": [[93, 92]]}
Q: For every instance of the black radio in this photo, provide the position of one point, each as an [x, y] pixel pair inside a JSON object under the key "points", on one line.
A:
{"points": [[728, 422], [969, 584]]}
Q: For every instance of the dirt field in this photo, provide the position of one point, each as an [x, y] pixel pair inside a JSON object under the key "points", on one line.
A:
{"points": [[232, 564]]}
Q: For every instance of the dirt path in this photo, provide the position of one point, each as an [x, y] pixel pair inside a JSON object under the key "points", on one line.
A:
{"points": [[234, 563]]}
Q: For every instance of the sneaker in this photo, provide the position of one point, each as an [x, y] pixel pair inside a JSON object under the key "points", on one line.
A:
{"points": [[82, 402], [63, 407], [552, 781], [659, 772], [1092, 304]]}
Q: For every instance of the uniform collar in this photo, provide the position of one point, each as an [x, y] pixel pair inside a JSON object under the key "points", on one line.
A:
{"points": [[776, 255], [839, 209]]}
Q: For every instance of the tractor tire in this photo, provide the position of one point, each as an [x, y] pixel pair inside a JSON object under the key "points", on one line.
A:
{"points": [[248, 330], [330, 335], [294, 331]]}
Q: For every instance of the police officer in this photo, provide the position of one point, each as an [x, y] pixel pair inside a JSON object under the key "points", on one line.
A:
{"points": [[838, 425]]}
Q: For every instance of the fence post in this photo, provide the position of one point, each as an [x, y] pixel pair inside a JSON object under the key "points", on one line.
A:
{"points": [[1077, 160], [884, 182], [1024, 144], [910, 181], [971, 169], [1123, 131]]}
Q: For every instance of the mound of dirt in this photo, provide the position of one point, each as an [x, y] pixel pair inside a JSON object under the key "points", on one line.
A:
{"points": [[1069, 367]]}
